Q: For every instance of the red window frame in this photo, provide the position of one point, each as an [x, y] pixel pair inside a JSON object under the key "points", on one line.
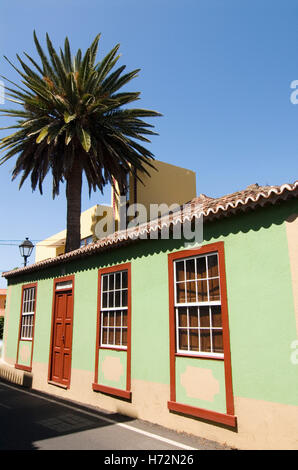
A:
{"points": [[31, 340], [96, 386], [227, 418]]}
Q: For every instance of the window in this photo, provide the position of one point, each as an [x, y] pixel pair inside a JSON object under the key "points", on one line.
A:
{"points": [[114, 309], [64, 285], [198, 305], [28, 308]]}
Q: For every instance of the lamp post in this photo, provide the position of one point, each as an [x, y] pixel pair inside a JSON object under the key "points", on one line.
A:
{"points": [[26, 249]]}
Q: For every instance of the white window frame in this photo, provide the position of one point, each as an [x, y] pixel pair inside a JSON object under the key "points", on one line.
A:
{"points": [[27, 317], [113, 310], [197, 304]]}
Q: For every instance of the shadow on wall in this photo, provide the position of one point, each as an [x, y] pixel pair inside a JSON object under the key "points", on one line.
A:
{"points": [[251, 220]]}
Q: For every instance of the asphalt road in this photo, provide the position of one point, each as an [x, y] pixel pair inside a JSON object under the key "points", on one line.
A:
{"points": [[33, 421]]}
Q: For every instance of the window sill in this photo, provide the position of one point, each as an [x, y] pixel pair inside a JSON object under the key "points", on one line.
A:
{"points": [[113, 348], [199, 356], [222, 418], [112, 391], [25, 368]]}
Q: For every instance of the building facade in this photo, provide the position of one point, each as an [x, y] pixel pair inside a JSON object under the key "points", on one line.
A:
{"points": [[2, 301], [165, 185], [197, 337]]}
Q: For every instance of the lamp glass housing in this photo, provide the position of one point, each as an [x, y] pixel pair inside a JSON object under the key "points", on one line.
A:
{"points": [[26, 248]]}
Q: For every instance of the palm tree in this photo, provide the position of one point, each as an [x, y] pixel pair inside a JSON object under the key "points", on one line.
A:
{"points": [[73, 121]]}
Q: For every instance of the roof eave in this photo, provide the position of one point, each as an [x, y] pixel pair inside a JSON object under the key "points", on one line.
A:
{"points": [[119, 239]]}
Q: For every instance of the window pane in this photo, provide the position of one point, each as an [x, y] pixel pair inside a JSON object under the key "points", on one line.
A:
{"points": [[180, 271], [191, 291], [104, 300], [204, 317], [216, 315], [118, 280], [25, 307], [124, 318], [117, 298], [124, 336], [205, 341], [124, 298], [27, 326], [60, 286], [182, 315], [112, 319], [104, 336], [193, 317], [105, 318], [217, 341], [118, 318], [202, 291], [194, 340], [201, 268], [111, 336], [214, 289], [190, 269], [124, 280], [118, 336], [183, 340], [212, 266], [180, 292], [111, 299], [104, 283], [111, 282]]}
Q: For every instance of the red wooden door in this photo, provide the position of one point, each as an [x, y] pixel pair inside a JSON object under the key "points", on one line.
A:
{"points": [[62, 338]]}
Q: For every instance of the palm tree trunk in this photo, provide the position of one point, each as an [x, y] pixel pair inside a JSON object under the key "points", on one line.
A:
{"points": [[73, 195]]}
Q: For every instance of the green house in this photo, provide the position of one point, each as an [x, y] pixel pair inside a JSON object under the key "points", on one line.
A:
{"points": [[200, 336]]}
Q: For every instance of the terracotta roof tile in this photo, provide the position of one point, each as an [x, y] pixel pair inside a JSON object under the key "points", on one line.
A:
{"points": [[252, 197]]}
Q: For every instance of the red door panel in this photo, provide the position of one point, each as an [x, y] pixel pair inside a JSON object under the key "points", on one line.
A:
{"points": [[62, 338]]}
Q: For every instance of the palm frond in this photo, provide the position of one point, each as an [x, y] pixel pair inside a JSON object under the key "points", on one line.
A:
{"points": [[72, 114]]}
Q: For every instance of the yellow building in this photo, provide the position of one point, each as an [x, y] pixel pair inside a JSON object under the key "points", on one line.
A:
{"points": [[54, 245], [167, 185]]}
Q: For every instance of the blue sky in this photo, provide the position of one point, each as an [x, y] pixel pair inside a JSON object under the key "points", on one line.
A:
{"points": [[218, 70]]}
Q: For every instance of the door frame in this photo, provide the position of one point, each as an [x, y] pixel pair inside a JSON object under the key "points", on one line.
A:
{"points": [[56, 281]]}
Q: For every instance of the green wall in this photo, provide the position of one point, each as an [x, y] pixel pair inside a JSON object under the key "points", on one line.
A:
{"points": [[217, 402], [25, 351], [11, 324], [103, 375], [260, 304], [261, 310]]}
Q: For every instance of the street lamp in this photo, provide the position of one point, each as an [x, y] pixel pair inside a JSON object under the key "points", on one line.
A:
{"points": [[26, 249]]}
